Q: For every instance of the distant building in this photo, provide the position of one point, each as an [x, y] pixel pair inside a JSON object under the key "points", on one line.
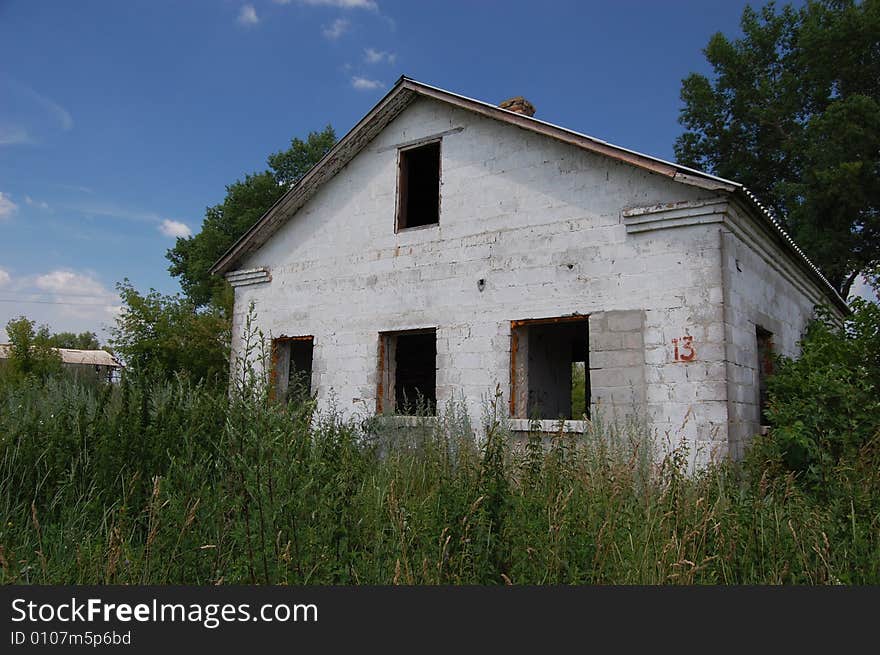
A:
{"points": [[98, 363]]}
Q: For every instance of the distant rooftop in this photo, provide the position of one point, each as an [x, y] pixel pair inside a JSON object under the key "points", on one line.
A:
{"points": [[74, 356]]}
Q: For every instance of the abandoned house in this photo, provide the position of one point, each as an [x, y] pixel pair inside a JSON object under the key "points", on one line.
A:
{"points": [[446, 247], [90, 364]]}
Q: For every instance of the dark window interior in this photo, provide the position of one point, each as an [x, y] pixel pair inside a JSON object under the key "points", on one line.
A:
{"points": [[415, 374], [300, 375], [419, 186], [408, 372], [554, 367], [293, 368], [765, 368]]}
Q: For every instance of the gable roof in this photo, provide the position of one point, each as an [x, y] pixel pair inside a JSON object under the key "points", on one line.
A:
{"points": [[406, 90]]}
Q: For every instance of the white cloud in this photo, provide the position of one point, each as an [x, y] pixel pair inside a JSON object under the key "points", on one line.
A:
{"points": [[82, 293], [29, 117], [76, 187], [248, 16], [112, 210], [364, 84], [62, 281], [861, 289], [174, 228], [341, 4], [373, 56], [7, 207], [36, 203], [60, 115], [13, 134], [336, 29], [65, 300]]}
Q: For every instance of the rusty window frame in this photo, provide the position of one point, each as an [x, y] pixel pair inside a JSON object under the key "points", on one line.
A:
{"points": [[383, 386], [514, 347]]}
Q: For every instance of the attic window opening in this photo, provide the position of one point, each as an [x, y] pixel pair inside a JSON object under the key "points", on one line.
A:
{"points": [[292, 368], [550, 368], [408, 372], [418, 186]]}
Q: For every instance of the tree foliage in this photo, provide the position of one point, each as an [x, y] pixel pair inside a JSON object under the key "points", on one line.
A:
{"points": [[825, 406], [793, 112], [81, 341], [246, 201], [30, 349], [167, 335]]}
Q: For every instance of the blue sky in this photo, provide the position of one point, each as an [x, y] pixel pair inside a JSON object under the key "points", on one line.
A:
{"points": [[121, 121]]}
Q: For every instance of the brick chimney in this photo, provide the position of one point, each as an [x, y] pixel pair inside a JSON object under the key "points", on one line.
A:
{"points": [[520, 105]]}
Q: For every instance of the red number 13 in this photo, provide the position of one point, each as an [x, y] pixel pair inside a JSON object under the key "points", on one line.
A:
{"points": [[684, 349]]}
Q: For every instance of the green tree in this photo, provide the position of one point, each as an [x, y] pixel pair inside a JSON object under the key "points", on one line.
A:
{"points": [[81, 341], [793, 112], [30, 351], [164, 335], [288, 166], [825, 405], [246, 201]]}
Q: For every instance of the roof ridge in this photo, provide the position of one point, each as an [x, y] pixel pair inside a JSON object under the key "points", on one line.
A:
{"points": [[659, 160]]}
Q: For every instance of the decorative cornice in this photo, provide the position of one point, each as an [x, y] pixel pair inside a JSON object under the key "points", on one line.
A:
{"points": [[758, 234], [674, 214], [248, 276]]}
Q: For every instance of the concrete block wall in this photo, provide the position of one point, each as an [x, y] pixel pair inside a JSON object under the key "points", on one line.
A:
{"points": [[617, 366], [762, 288], [685, 375], [541, 224]]}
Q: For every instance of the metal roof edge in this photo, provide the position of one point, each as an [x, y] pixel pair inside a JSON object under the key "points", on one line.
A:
{"points": [[770, 218], [488, 105]]}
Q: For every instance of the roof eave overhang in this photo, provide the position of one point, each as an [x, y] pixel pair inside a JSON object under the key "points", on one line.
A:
{"points": [[394, 102]]}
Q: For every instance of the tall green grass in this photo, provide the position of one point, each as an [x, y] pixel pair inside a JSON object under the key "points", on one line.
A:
{"points": [[163, 481]]}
